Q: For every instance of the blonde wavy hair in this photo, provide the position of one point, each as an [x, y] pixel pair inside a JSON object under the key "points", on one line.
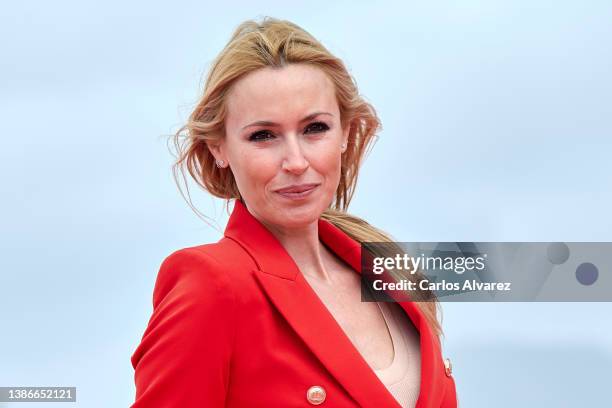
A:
{"points": [[277, 43]]}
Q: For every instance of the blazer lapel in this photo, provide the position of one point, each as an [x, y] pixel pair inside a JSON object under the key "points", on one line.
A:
{"points": [[291, 294]]}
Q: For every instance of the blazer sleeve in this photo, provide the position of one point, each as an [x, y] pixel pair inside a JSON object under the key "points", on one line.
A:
{"points": [[183, 359]]}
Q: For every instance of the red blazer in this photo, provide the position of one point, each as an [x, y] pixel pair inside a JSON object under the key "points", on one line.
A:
{"points": [[235, 324]]}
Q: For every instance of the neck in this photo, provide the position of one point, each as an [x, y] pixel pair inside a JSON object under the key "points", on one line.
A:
{"points": [[304, 246]]}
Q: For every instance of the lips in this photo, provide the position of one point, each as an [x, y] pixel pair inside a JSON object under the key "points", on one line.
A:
{"points": [[297, 188]]}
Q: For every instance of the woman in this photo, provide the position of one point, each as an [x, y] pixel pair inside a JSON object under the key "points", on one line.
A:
{"points": [[271, 314]]}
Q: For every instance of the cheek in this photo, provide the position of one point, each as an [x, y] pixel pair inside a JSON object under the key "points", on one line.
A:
{"points": [[254, 168], [328, 163]]}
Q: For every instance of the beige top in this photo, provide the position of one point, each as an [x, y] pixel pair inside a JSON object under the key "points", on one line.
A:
{"points": [[403, 376]]}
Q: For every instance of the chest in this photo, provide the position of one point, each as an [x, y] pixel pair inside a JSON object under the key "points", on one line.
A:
{"points": [[362, 322]]}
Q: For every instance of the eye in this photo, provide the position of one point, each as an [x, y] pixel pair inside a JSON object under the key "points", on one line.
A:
{"points": [[260, 135], [317, 127]]}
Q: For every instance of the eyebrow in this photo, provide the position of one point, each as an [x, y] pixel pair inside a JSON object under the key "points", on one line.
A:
{"points": [[269, 123]]}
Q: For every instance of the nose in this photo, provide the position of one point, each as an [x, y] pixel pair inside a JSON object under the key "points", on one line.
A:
{"points": [[294, 160]]}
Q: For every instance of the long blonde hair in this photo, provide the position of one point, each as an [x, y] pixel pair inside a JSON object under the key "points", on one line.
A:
{"points": [[277, 43]]}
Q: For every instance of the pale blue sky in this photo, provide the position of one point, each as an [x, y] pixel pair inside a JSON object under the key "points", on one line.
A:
{"points": [[497, 127]]}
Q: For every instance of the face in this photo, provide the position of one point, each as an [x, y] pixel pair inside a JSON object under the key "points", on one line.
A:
{"points": [[283, 129]]}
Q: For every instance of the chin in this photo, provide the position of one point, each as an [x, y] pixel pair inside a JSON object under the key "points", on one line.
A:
{"points": [[300, 215]]}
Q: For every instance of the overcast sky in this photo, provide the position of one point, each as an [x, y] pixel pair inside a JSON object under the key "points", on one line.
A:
{"points": [[496, 127]]}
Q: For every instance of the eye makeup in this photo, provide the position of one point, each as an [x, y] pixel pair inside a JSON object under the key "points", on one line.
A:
{"points": [[263, 135]]}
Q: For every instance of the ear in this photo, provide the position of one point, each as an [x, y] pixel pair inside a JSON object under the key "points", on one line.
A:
{"points": [[345, 134], [217, 150]]}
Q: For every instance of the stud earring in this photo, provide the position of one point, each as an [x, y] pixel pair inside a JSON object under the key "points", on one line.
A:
{"points": [[219, 163], [343, 147]]}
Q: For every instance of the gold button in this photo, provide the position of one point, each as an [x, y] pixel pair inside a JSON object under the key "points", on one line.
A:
{"points": [[316, 395], [448, 368]]}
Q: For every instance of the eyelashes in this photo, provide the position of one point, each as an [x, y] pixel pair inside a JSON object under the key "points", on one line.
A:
{"points": [[315, 127]]}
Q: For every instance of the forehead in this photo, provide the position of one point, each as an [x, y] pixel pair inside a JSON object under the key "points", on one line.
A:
{"points": [[280, 94]]}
